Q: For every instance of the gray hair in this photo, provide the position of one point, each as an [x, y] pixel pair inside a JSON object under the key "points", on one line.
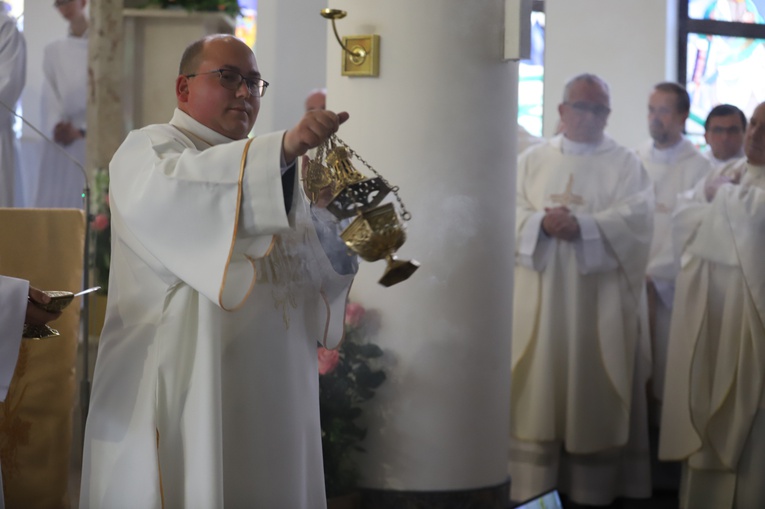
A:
{"points": [[586, 77]]}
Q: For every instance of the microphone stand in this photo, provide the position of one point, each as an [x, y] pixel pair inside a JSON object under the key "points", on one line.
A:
{"points": [[85, 314]]}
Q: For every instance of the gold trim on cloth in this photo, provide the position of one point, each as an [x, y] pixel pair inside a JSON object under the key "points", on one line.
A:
{"points": [[242, 165], [159, 470]]}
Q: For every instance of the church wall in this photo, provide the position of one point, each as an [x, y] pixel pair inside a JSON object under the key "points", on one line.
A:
{"points": [[631, 44], [439, 122]]}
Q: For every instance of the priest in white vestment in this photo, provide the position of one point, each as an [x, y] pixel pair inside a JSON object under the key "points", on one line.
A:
{"points": [[13, 61], [724, 133], [59, 180], [714, 403], [16, 307], [674, 165], [580, 357], [206, 388]]}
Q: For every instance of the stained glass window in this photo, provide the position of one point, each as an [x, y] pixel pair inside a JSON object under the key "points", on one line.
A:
{"points": [[531, 75], [723, 60], [246, 24], [723, 70], [743, 11]]}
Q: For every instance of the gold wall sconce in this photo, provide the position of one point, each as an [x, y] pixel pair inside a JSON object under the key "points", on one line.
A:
{"points": [[361, 53]]}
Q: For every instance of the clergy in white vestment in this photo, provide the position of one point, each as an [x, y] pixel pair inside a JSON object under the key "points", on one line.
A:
{"points": [[580, 357], [674, 165], [16, 307], [59, 181], [205, 391], [724, 133], [714, 403], [13, 61]]}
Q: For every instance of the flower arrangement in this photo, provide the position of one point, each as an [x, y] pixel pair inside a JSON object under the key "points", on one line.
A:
{"points": [[347, 379], [101, 226], [228, 6]]}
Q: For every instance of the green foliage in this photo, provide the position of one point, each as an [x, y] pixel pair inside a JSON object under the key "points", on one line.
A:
{"points": [[228, 6], [343, 391], [101, 227]]}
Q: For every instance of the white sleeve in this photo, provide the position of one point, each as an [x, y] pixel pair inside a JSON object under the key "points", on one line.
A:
{"points": [[534, 246], [52, 109], [190, 209], [591, 253], [13, 305]]}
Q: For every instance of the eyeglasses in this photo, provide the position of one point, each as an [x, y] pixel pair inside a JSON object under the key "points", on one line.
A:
{"points": [[59, 3], [596, 109], [232, 80], [734, 129]]}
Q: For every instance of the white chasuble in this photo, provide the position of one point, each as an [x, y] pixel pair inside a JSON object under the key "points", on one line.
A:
{"points": [[59, 182], [714, 413], [578, 307], [206, 386], [13, 63], [673, 171]]}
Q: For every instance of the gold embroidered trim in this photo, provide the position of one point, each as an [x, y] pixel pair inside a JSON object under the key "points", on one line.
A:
{"points": [[329, 317], [233, 236], [159, 469]]}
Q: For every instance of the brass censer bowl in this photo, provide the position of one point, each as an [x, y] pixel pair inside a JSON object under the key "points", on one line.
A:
{"points": [[376, 231]]}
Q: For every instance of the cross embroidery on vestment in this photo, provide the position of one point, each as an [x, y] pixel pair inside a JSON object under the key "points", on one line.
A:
{"points": [[568, 197]]}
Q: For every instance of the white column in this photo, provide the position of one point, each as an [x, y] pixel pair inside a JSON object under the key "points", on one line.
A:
{"points": [[439, 121], [291, 56]]}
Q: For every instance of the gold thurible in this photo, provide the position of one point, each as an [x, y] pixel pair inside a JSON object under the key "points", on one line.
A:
{"points": [[376, 231]]}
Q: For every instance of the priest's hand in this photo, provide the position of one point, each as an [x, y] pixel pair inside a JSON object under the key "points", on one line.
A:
{"points": [[65, 133], [314, 128], [560, 223], [711, 187], [35, 314]]}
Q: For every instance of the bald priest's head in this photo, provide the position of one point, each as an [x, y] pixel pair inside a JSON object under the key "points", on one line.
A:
{"points": [[219, 85]]}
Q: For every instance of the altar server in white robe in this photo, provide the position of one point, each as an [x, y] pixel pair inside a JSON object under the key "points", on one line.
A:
{"points": [[674, 165], [714, 402], [205, 390], [583, 227], [724, 133], [16, 308], [59, 181], [13, 61]]}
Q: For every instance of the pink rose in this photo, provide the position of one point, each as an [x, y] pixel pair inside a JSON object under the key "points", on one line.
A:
{"points": [[354, 313], [100, 222], [328, 360]]}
